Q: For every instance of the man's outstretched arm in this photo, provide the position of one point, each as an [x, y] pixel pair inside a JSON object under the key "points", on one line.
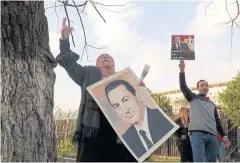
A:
{"points": [[189, 95]]}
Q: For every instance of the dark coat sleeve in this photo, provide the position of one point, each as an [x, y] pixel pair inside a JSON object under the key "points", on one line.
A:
{"points": [[188, 94], [178, 133], [218, 123], [68, 60]]}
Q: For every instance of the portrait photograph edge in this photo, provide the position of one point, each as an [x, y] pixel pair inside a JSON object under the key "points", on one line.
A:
{"points": [[161, 141], [106, 115], [157, 143], [107, 78]]}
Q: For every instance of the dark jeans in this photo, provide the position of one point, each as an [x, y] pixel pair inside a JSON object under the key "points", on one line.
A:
{"points": [[204, 147], [185, 150], [221, 154]]}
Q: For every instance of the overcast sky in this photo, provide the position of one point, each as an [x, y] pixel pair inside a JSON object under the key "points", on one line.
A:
{"points": [[140, 33]]}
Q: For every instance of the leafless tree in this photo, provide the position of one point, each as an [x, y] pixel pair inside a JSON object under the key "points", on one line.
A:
{"points": [[233, 21], [80, 8]]}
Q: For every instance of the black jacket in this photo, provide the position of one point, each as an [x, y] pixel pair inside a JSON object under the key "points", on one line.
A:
{"points": [[158, 125]]}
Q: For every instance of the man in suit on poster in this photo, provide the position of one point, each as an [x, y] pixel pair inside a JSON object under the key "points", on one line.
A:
{"points": [[180, 46], [147, 126]]}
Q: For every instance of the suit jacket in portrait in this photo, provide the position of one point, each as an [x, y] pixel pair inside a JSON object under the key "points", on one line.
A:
{"points": [[158, 126], [183, 47]]}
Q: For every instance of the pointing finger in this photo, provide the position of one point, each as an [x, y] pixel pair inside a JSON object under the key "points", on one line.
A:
{"points": [[64, 21]]}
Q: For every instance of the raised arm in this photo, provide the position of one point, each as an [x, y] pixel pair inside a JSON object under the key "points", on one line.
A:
{"points": [[68, 59], [189, 95]]}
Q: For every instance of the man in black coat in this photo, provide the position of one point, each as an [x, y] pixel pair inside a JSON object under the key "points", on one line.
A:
{"points": [[148, 126]]}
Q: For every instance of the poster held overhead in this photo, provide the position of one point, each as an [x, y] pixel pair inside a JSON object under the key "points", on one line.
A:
{"points": [[182, 47], [138, 121]]}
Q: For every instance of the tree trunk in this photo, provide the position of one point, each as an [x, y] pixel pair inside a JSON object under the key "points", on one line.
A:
{"points": [[27, 131]]}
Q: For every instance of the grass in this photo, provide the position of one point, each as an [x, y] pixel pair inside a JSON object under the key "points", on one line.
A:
{"points": [[69, 154], [158, 158], [67, 150], [153, 158]]}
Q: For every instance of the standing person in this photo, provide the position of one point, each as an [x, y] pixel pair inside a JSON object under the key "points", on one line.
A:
{"points": [[181, 136], [96, 139], [204, 120], [221, 153]]}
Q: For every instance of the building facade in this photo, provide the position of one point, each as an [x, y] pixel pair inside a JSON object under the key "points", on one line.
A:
{"points": [[177, 100]]}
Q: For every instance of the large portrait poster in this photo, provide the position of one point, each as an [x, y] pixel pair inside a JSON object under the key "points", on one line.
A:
{"points": [[140, 124], [182, 47]]}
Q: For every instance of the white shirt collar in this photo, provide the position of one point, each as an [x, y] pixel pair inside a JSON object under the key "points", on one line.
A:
{"points": [[145, 128], [145, 121]]}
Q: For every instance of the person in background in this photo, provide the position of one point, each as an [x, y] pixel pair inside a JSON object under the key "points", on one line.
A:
{"points": [[221, 152], [95, 138], [181, 136]]}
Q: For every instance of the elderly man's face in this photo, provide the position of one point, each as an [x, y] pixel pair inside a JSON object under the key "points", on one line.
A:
{"points": [[127, 106], [177, 40], [106, 61]]}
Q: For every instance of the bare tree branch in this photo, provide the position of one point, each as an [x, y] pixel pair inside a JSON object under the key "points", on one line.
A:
{"points": [[65, 8], [53, 6], [98, 11], [56, 13], [112, 10], [67, 4], [208, 6], [231, 3], [110, 5], [232, 22], [82, 6], [97, 47], [84, 33]]}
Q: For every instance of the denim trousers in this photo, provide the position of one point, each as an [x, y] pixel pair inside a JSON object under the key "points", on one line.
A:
{"points": [[204, 146], [221, 153]]}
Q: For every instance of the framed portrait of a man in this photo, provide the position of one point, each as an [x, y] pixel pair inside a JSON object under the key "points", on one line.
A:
{"points": [[138, 121], [182, 47]]}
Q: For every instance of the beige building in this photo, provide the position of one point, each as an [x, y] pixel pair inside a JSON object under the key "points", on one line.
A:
{"points": [[177, 100]]}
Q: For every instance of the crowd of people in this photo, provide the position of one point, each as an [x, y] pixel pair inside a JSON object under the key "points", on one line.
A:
{"points": [[200, 138]]}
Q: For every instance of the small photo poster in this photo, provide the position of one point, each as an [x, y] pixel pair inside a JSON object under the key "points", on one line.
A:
{"points": [[138, 121], [182, 47]]}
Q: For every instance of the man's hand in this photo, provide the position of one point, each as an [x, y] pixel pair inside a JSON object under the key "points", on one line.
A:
{"points": [[226, 141], [182, 65], [65, 30], [141, 84]]}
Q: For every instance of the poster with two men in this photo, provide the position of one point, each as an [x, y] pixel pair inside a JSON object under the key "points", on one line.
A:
{"points": [[183, 47], [138, 121]]}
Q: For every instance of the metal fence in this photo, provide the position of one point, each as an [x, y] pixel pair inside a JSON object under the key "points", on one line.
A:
{"points": [[65, 128], [168, 148]]}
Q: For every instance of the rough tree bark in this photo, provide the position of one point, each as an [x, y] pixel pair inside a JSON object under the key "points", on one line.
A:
{"points": [[28, 77]]}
